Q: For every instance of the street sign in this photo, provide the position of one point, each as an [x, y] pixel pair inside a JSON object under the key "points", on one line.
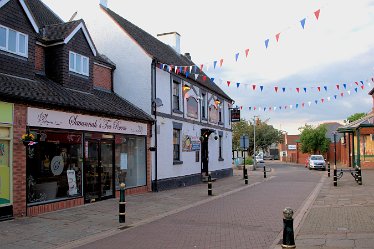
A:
{"points": [[244, 142], [235, 115]]}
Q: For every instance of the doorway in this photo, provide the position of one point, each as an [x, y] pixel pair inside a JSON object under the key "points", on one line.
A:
{"points": [[205, 133], [99, 170]]}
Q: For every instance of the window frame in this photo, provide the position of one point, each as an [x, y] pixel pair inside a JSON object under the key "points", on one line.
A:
{"points": [[177, 160], [17, 45], [177, 97], [189, 114], [204, 109], [82, 67]]}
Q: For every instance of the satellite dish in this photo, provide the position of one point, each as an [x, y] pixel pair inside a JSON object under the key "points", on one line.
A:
{"points": [[157, 102]]}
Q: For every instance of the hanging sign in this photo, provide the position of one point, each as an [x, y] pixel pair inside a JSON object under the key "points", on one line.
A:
{"points": [[235, 115]]}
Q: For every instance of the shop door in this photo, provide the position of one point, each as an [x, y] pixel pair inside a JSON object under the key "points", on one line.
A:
{"points": [[99, 170]]}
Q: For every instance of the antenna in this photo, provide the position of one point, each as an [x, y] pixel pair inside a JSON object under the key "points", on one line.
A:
{"points": [[73, 16]]}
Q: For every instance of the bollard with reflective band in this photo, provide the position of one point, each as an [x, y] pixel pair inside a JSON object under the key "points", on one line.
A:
{"points": [[210, 191], [335, 176], [359, 176], [245, 176], [328, 169], [288, 233], [264, 172], [122, 203]]}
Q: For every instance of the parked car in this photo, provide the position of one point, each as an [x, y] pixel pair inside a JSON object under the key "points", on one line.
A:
{"points": [[259, 159], [316, 162], [268, 157]]}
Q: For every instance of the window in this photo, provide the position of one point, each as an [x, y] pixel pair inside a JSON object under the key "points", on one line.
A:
{"points": [[78, 63], [192, 107], [13, 41], [176, 145], [176, 100], [220, 147], [213, 114], [203, 106], [219, 114]]}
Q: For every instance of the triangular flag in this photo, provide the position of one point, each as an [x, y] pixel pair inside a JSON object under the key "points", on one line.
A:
{"points": [[302, 105], [236, 56], [280, 108], [316, 13], [254, 87], [191, 69], [185, 69], [303, 22], [241, 107], [316, 101], [322, 100], [254, 108], [196, 76], [277, 36], [201, 67], [328, 98], [176, 69], [212, 79], [319, 88], [356, 89], [297, 89], [250, 108], [221, 62], [335, 96], [283, 89], [228, 83], [261, 87], [305, 89], [161, 66], [269, 109], [309, 103], [297, 106], [356, 83], [337, 86], [204, 78], [276, 89], [207, 67], [361, 82], [290, 106], [246, 52], [362, 87], [187, 73], [266, 43], [264, 108], [342, 94], [325, 88], [345, 86], [237, 85], [275, 108], [285, 107]]}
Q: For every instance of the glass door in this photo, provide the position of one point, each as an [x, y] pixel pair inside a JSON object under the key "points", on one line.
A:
{"points": [[99, 170]]}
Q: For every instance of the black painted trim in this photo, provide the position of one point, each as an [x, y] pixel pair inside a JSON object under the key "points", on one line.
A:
{"points": [[177, 125], [177, 162]]}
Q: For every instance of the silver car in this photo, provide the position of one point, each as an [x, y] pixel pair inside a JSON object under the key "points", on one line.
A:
{"points": [[317, 162]]}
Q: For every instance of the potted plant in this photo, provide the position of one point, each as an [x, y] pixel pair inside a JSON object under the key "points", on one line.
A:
{"points": [[27, 139]]}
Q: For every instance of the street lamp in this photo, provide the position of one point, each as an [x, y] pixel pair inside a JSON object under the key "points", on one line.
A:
{"points": [[334, 149], [254, 142]]}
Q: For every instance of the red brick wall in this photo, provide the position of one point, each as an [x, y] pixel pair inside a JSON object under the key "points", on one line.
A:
{"points": [[102, 77], [39, 58], [36, 210], [19, 161]]}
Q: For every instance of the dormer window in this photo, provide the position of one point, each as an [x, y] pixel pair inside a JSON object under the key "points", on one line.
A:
{"points": [[13, 41], [78, 63]]}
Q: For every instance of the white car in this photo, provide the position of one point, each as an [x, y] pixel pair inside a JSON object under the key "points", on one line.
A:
{"points": [[317, 162], [259, 159]]}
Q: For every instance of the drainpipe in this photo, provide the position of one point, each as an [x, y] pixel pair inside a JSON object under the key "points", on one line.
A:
{"points": [[154, 108]]}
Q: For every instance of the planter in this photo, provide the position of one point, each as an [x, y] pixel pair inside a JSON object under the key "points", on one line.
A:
{"points": [[26, 142]]}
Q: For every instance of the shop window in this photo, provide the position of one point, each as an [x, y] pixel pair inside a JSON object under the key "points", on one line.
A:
{"points": [[54, 166], [131, 163], [192, 107]]}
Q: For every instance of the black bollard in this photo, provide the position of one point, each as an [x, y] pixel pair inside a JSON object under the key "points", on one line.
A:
{"points": [[328, 169], [288, 234], [210, 184], [245, 176], [335, 176], [264, 172], [359, 176], [122, 204]]}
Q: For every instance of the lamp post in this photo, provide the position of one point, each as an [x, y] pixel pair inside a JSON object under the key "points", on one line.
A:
{"points": [[334, 149]]}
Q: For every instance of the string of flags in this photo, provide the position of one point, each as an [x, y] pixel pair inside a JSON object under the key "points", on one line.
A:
{"points": [[238, 55], [305, 104]]}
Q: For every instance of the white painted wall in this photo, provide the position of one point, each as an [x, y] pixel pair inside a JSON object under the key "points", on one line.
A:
{"points": [[132, 77], [163, 90]]}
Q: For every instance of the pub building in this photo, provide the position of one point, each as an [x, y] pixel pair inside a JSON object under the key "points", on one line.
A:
{"points": [[66, 138]]}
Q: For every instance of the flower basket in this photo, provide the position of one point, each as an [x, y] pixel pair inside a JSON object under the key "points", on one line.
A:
{"points": [[27, 139]]}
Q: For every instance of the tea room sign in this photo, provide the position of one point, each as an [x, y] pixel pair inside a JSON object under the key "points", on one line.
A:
{"points": [[64, 120]]}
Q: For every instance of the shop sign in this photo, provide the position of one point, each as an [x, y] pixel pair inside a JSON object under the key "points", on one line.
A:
{"points": [[6, 113], [292, 147], [235, 115], [64, 120], [190, 143]]}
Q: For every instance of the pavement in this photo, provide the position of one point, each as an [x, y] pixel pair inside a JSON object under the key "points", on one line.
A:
{"points": [[326, 217]]}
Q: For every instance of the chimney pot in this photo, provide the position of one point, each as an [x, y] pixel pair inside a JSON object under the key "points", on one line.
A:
{"points": [[188, 55]]}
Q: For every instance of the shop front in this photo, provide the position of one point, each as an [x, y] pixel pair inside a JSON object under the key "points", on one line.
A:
{"points": [[81, 158], [6, 124]]}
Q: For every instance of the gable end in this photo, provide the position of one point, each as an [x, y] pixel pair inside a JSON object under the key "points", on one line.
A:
{"points": [[29, 15], [90, 43]]}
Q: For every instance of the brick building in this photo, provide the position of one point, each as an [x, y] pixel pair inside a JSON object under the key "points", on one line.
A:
{"points": [[82, 138]]}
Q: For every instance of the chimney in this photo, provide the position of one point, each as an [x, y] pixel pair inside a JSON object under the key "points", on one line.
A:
{"points": [[172, 39], [188, 55], [104, 3]]}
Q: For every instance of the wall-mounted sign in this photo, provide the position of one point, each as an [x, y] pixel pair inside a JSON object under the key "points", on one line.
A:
{"points": [[292, 147], [235, 115], [190, 143], [64, 120]]}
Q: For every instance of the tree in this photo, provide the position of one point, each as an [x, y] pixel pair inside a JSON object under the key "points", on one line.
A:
{"points": [[356, 116], [313, 139], [265, 135]]}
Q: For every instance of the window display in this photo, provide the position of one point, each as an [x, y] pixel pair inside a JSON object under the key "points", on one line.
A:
{"points": [[54, 166], [130, 160]]}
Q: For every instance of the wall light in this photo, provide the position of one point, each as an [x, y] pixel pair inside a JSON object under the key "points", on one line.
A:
{"points": [[217, 101], [186, 87]]}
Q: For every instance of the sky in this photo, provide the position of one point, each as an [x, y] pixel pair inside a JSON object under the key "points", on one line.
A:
{"points": [[338, 48]]}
